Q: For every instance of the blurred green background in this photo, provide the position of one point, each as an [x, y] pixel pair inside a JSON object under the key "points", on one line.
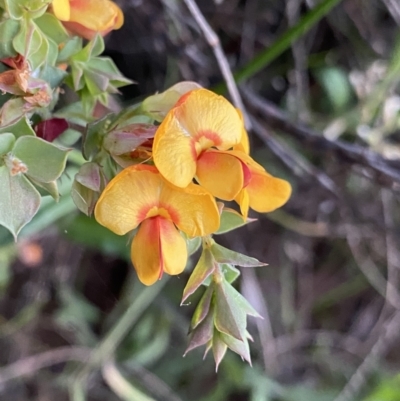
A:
{"points": [[329, 295]]}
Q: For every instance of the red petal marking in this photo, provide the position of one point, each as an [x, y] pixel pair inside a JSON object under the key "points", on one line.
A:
{"points": [[210, 135], [158, 223], [173, 214], [183, 98], [246, 174]]}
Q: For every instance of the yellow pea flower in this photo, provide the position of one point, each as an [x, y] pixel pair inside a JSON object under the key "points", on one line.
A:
{"points": [[199, 121], [194, 141], [85, 18], [140, 197]]}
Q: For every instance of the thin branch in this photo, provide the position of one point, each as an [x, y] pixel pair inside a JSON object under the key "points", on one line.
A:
{"points": [[32, 364], [385, 172], [293, 160], [213, 40]]}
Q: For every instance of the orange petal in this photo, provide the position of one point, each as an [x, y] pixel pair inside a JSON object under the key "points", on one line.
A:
{"points": [[97, 15], [196, 212], [244, 202], [220, 173], [267, 193], [174, 152], [244, 145], [203, 113], [173, 248], [125, 202], [61, 9], [158, 246]]}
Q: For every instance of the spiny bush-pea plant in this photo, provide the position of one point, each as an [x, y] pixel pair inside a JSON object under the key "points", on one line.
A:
{"points": [[158, 171]]}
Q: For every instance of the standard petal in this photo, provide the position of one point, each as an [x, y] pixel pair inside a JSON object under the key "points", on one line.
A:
{"points": [[267, 193], [128, 198], [173, 248], [220, 173], [196, 210], [174, 152], [244, 145], [61, 9], [210, 119], [145, 251]]}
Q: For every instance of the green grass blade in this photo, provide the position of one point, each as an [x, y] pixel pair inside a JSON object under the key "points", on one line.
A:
{"points": [[283, 43]]}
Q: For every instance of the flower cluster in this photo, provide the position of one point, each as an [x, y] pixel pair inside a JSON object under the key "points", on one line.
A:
{"points": [[200, 152]]}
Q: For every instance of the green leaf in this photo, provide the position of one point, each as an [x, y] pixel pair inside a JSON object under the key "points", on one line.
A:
{"points": [[14, 8], [19, 201], [8, 31], [12, 111], [202, 308], [93, 137], [205, 266], [40, 54], [229, 317], [224, 255], [19, 128], [47, 188], [219, 349], [71, 47], [193, 244], [52, 28], [202, 334], [7, 141], [231, 273], [90, 176], [74, 113], [52, 75], [235, 297], [28, 40], [84, 198], [240, 347], [45, 161], [230, 220]]}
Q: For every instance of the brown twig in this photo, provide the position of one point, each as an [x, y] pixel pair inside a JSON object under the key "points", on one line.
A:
{"points": [[293, 160], [383, 171], [213, 40]]}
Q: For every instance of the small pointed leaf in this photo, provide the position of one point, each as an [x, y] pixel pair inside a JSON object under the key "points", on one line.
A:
{"points": [[235, 297], [19, 128], [90, 176], [229, 317], [7, 141], [202, 334], [47, 188], [205, 266], [193, 244], [219, 349], [230, 272], [84, 198], [45, 161], [224, 255], [19, 201], [202, 308], [240, 347], [230, 220], [8, 30]]}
